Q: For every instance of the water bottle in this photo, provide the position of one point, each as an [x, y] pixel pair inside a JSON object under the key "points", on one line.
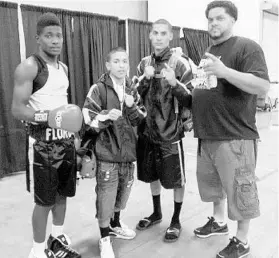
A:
{"points": [[211, 79]]}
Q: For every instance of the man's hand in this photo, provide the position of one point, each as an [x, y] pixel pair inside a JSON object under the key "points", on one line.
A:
{"points": [[149, 72], [114, 114], [169, 75], [215, 66], [129, 100]]}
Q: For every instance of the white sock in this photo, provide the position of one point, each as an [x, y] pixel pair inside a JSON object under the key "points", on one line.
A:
{"points": [[39, 249], [221, 224], [57, 230]]}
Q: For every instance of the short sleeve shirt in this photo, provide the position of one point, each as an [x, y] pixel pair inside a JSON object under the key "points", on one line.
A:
{"points": [[226, 112]]}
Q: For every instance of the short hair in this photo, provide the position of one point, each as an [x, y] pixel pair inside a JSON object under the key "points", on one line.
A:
{"points": [[163, 21], [229, 7], [114, 50], [45, 20]]}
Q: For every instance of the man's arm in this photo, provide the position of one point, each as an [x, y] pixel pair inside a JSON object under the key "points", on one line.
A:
{"points": [[181, 88], [247, 82], [136, 112], [23, 85], [144, 74]]}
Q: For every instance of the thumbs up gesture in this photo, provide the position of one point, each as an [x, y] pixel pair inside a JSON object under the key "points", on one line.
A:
{"points": [[169, 75]]}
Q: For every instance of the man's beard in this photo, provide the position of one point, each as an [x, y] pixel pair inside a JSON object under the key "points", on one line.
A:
{"points": [[216, 37]]}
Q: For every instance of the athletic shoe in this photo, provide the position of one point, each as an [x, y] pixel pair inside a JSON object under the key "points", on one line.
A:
{"points": [[211, 228], [48, 254], [122, 232], [235, 249], [105, 246], [60, 246]]}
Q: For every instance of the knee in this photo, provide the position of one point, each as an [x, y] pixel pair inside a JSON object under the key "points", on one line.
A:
{"points": [[155, 187], [60, 199]]}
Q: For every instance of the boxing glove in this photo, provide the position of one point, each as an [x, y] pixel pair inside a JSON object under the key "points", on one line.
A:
{"points": [[67, 117]]}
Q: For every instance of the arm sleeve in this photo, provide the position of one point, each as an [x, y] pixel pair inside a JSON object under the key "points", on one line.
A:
{"points": [[182, 90], [253, 61], [93, 112], [144, 83], [136, 113]]}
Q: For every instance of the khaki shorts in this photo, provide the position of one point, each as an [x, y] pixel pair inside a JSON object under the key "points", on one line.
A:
{"points": [[227, 169]]}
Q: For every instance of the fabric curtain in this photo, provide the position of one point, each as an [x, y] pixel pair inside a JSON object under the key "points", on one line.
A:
{"points": [[12, 134], [103, 36], [139, 43], [176, 37], [122, 34], [182, 44], [197, 41], [94, 36]]}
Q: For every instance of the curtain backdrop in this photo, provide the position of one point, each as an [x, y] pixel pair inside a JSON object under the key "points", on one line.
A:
{"points": [[139, 43], [122, 34], [182, 44], [196, 41], [12, 134], [176, 37], [94, 36]]}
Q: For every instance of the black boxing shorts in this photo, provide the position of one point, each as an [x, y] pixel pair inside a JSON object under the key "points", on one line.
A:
{"points": [[51, 163]]}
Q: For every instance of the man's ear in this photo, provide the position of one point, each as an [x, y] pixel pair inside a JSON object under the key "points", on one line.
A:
{"points": [[37, 38], [150, 34], [171, 36], [108, 66]]}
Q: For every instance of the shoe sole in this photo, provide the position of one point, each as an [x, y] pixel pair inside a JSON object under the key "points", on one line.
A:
{"points": [[114, 235], [172, 240], [245, 255], [212, 234], [149, 226]]}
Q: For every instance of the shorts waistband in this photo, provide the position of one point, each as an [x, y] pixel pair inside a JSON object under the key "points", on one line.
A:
{"points": [[47, 134]]}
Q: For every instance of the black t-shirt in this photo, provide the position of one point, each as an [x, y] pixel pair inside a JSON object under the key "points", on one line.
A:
{"points": [[226, 112]]}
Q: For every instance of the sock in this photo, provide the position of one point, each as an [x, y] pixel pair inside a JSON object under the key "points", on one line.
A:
{"points": [[244, 242], [221, 224], [157, 205], [176, 213], [57, 230], [39, 249], [157, 212], [104, 232], [115, 222]]}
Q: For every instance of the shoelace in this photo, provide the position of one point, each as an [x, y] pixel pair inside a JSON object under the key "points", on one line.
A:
{"points": [[210, 222], [232, 245]]}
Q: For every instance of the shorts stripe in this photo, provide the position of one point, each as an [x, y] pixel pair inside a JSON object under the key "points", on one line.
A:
{"points": [[181, 161], [29, 165]]}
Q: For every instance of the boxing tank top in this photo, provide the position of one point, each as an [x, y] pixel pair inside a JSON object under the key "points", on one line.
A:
{"points": [[49, 87]]}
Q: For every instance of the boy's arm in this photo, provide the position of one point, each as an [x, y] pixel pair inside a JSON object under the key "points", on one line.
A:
{"points": [[94, 116]]}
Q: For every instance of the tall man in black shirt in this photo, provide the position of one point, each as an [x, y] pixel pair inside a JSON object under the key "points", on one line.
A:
{"points": [[228, 81]]}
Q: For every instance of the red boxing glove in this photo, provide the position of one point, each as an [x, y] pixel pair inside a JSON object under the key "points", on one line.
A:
{"points": [[68, 117]]}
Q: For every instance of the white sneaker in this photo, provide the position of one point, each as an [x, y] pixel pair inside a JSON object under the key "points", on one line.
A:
{"points": [[48, 254], [122, 232], [105, 246]]}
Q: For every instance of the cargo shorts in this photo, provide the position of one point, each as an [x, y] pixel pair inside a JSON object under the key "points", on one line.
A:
{"points": [[226, 169]]}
